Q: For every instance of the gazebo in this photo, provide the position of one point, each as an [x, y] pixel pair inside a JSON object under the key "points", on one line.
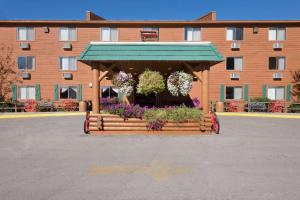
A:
{"points": [[105, 57]]}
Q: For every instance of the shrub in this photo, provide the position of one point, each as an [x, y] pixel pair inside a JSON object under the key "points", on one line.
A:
{"points": [[294, 107], [150, 82], [69, 105], [260, 99], [46, 106], [31, 106]]}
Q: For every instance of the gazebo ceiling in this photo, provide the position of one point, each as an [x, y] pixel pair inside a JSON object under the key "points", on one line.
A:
{"points": [[151, 51]]}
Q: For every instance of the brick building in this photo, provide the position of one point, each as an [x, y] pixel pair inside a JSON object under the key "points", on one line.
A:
{"points": [[257, 55]]}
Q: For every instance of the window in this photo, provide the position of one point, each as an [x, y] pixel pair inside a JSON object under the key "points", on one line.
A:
{"points": [[234, 33], [109, 34], [67, 34], [68, 63], [234, 63], [276, 63], [277, 34], [108, 91], [25, 33], [192, 34], [276, 93], [234, 92], [26, 92], [68, 92], [26, 62]]}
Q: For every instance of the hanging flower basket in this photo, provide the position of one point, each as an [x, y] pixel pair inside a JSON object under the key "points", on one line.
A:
{"points": [[124, 82], [180, 82], [150, 82]]}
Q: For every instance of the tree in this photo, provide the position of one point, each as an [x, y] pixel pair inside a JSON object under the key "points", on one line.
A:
{"points": [[296, 83], [8, 74]]}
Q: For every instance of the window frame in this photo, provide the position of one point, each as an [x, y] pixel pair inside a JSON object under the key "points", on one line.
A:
{"points": [[109, 89], [276, 28], [59, 36], [230, 86], [60, 63], [277, 87], [234, 69], [277, 62], [26, 27], [110, 35], [26, 86], [234, 33], [26, 69], [193, 29], [68, 86]]}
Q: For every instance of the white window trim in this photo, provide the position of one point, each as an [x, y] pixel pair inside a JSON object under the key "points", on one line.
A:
{"points": [[277, 59], [234, 28], [285, 33], [27, 95], [68, 86], [193, 29], [33, 67], [242, 95], [275, 88], [17, 35], [60, 63], [234, 57], [110, 36], [59, 38]]}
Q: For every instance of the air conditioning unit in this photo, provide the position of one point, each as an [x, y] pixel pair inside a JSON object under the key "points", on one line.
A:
{"points": [[277, 45], [67, 75], [24, 45], [26, 75], [67, 46], [235, 76], [277, 75], [235, 45], [46, 29]]}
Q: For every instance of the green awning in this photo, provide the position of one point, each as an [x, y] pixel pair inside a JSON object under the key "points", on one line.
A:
{"points": [[151, 51]]}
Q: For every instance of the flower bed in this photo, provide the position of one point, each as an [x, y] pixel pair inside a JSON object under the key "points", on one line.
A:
{"points": [[156, 118]]}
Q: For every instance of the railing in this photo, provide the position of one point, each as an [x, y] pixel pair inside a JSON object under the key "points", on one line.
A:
{"points": [[38, 106], [271, 106]]}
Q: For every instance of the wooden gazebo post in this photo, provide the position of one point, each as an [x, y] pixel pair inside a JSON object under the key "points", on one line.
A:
{"points": [[96, 88], [205, 88]]}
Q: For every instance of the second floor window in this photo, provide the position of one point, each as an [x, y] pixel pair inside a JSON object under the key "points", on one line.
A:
{"points": [[26, 92], [234, 63], [25, 34], [109, 34], [277, 34], [26, 62], [234, 33], [192, 34], [234, 92], [68, 63], [67, 34], [276, 63], [68, 92]]}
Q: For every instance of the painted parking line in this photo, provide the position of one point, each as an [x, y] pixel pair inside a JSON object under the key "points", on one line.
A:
{"points": [[264, 115], [34, 115]]}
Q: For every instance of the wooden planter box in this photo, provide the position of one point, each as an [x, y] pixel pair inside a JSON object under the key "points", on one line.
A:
{"points": [[113, 124]]}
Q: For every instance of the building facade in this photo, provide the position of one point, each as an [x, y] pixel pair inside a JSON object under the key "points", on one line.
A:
{"points": [[258, 55]]}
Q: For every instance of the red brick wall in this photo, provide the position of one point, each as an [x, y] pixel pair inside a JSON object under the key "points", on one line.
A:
{"points": [[255, 49]]}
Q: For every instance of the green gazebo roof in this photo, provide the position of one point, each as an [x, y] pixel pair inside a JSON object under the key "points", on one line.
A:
{"points": [[151, 51]]}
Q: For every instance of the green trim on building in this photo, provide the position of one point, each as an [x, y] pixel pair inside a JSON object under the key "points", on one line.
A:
{"points": [[37, 92], [79, 95], [145, 52], [246, 92], [288, 92], [56, 92], [222, 93], [14, 92], [264, 90]]}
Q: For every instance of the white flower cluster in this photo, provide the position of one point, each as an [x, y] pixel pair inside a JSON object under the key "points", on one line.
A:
{"points": [[180, 82], [124, 82]]}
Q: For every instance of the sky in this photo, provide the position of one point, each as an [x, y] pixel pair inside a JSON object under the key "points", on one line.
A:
{"points": [[150, 9]]}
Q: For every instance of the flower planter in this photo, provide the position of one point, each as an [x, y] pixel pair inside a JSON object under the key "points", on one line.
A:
{"points": [[107, 123]]}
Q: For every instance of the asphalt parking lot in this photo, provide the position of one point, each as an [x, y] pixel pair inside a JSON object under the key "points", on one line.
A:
{"points": [[51, 158]]}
